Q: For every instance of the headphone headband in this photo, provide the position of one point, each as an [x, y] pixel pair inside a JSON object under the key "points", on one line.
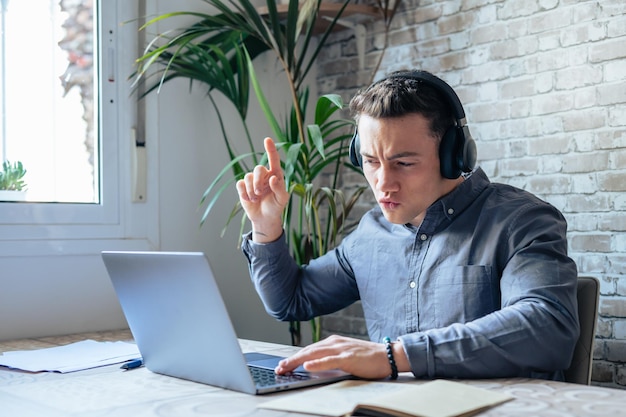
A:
{"points": [[440, 85]]}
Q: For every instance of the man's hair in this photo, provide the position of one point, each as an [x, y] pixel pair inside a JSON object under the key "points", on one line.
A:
{"points": [[397, 96]]}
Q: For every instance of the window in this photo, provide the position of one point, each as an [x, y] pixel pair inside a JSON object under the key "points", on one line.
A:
{"points": [[68, 111], [49, 103]]}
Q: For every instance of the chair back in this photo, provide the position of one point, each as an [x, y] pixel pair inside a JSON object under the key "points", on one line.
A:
{"points": [[579, 370]]}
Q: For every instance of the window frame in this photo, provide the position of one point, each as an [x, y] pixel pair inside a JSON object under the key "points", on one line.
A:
{"points": [[33, 228]]}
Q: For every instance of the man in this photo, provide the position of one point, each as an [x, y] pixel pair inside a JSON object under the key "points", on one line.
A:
{"points": [[469, 278]]}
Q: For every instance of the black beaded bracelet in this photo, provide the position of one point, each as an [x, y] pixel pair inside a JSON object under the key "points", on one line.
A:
{"points": [[392, 361]]}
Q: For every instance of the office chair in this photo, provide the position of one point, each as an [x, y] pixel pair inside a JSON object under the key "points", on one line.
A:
{"points": [[588, 293]]}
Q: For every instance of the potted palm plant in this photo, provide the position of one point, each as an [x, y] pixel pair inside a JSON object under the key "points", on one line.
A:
{"points": [[218, 50], [12, 185]]}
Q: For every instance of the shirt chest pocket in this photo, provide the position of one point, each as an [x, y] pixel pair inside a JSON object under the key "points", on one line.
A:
{"points": [[460, 294]]}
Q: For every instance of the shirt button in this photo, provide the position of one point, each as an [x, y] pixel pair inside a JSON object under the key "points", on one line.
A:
{"points": [[451, 211], [412, 284], [423, 237]]}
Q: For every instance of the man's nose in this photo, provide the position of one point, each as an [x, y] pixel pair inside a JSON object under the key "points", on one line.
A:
{"points": [[386, 180]]}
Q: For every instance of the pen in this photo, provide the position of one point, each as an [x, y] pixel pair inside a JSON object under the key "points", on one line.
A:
{"points": [[135, 363]]}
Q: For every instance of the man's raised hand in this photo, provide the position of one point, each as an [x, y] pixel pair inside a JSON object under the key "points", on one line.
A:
{"points": [[263, 196]]}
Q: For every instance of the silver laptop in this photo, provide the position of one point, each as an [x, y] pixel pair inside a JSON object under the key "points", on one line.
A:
{"points": [[181, 326]]}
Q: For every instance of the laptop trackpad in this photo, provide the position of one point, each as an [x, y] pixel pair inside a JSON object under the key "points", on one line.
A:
{"points": [[262, 360]]}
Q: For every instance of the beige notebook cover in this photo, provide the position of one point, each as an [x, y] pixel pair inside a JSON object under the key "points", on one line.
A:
{"points": [[439, 398]]}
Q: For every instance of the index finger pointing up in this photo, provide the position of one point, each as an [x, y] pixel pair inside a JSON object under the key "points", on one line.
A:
{"points": [[273, 157]]}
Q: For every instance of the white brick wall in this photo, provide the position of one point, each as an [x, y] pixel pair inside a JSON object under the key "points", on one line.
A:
{"points": [[543, 83]]}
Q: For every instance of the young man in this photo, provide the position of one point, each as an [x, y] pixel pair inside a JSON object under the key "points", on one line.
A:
{"points": [[468, 278]]}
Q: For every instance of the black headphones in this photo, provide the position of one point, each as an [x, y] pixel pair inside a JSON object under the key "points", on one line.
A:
{"points": [[457, 150]]}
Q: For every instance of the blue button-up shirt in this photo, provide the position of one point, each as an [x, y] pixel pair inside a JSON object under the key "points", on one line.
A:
{"points": [[483, 288]]}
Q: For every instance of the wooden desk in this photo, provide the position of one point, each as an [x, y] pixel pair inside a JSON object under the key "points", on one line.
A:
{"points": [[111, 392]]}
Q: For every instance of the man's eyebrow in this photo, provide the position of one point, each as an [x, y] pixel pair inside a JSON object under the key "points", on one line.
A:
{"points": [[398, 155]]}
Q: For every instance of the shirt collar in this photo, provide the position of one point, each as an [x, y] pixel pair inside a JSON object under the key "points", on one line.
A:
{"points": [[448, 207]]}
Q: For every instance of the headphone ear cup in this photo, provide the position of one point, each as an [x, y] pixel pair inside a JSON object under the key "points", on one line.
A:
{"points": [[355, 150], [457, 152], [448, 154], [470, 154]]}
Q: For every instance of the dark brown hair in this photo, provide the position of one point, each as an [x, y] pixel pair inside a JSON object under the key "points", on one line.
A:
{"points": [[397, 95]]}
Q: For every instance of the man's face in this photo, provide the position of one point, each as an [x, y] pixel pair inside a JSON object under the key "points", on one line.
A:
{"points": [[401, 165]]}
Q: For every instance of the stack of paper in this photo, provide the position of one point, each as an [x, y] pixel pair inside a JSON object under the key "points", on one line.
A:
{"points": [[69, 358]]}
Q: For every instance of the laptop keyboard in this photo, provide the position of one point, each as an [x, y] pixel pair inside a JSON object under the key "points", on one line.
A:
{"points": [[265, 377]]}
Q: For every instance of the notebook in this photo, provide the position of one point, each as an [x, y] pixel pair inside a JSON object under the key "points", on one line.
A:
{"points": [[179, 321]]}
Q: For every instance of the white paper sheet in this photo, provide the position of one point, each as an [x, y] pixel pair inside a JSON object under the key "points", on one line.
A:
{"points": [[70, 358]]}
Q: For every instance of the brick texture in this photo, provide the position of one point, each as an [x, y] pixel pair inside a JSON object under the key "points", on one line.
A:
{"points": [[544, 88]]}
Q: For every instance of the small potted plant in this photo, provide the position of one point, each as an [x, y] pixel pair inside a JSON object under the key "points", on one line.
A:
{"points": [[12, 185]]}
